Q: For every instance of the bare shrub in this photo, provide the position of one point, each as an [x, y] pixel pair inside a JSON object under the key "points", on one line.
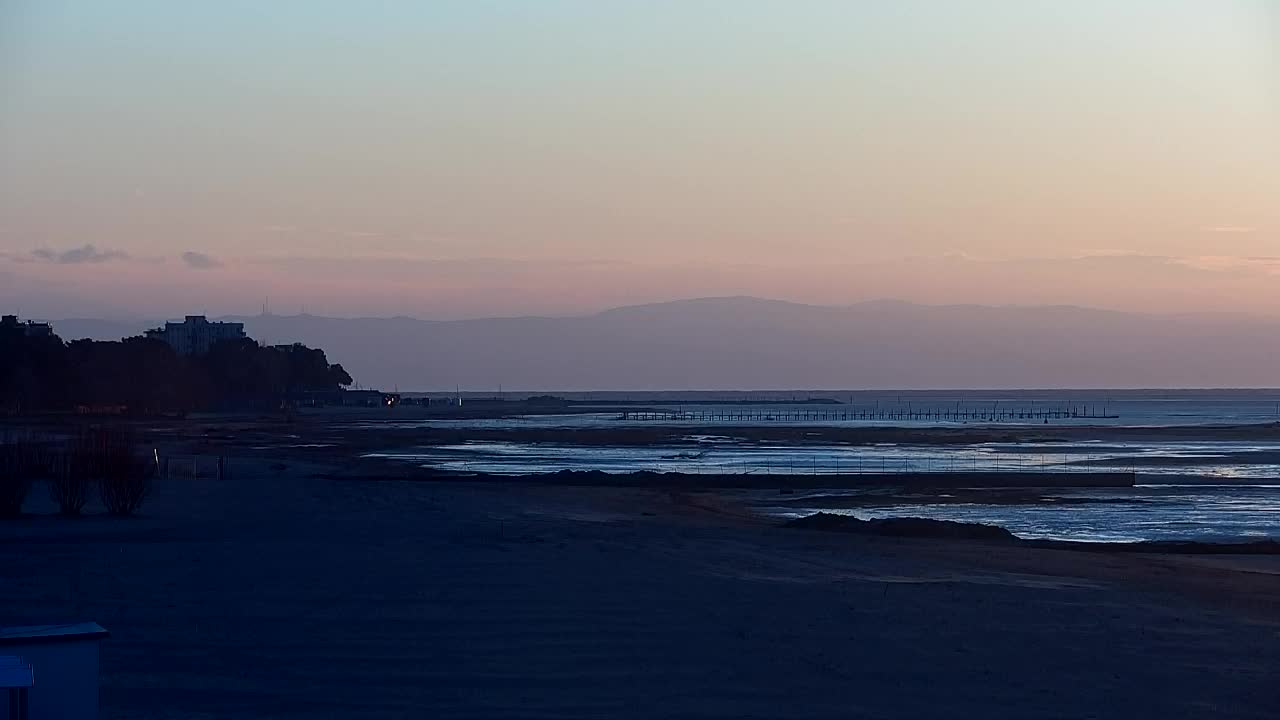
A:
{"points": [[126, 476], [15, 478], [72, 477], [22, 462], [106, 457]]}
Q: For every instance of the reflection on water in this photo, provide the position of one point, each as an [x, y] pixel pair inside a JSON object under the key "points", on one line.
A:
{"points": [[1154, 461], [1149, 512], [1187, 490]]}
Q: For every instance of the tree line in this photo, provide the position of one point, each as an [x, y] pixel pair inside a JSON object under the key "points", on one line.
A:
{"points": [[144, 376]]}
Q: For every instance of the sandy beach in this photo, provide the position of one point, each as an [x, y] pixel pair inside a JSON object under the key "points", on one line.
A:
{"points": [[291, 592]]}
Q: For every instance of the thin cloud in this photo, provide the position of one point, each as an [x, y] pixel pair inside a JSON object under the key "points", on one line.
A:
{"points": [[200, 261], [1230, 229], [1117, 259], [354, 234], [85, 254], [1232, 263]]}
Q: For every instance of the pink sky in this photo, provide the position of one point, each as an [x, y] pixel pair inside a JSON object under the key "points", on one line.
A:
{"points": [[445, 160]]}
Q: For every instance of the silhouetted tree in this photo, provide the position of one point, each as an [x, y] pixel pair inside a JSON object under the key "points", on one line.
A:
{"points": [[338, 376], [33, 370], [146, 376]]}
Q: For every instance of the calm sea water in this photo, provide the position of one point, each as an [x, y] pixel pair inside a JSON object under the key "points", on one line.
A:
{"points": [[1188, 489], [1132, 407], [1211, 513]]}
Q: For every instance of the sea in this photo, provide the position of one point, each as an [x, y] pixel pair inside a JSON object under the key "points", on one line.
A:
{"points": [[1188, 488]]}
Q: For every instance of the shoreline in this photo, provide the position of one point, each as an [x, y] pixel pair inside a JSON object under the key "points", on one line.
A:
{"points": [[343, 453], [800, 434], [949, 530], [784, 482], [393, 425]]}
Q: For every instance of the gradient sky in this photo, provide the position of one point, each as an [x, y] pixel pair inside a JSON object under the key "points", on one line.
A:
{"points": [[459, 159]]}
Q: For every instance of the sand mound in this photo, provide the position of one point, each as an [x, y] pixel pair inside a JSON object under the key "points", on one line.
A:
{"points": [[902, 527], [951, 530]]}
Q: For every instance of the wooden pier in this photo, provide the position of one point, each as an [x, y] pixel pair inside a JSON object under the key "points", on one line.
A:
{"points": [[868, 414]]}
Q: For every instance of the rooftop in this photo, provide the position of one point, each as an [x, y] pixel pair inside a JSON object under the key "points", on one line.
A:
{"points": [[27, 634]]}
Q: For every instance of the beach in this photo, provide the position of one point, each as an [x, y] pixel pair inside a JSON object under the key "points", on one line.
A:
{"points": [[692, 360], [294, 588]]}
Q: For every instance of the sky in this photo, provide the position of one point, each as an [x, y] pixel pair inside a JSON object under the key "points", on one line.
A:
{"points": [[467, 159]]}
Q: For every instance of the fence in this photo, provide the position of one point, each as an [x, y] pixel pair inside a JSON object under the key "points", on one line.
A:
{"points": [[194, 467], [870, 415]]}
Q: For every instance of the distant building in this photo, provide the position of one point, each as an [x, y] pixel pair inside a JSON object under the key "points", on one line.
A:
{"points": [[28, 328], [195, 335], [349, 398]]}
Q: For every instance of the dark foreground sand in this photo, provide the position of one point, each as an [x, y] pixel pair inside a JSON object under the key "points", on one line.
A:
{"points": [[277, 594]]}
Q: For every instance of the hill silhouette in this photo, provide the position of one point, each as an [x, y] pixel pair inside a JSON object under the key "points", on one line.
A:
{"points": [[747, 342]]}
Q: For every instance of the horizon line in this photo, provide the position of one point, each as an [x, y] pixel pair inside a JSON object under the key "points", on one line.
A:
{"points": [[680, 300]]}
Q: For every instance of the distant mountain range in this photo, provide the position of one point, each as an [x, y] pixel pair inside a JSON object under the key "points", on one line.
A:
{"points": [[751, 343]]}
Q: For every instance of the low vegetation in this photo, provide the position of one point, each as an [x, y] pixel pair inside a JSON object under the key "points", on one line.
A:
{"points": [[125, 476], [108, 460], [71, 480], [15, 478]]}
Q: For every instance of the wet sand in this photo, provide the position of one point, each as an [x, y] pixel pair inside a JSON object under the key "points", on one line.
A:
{"points": [[287, 591], [687, 434], [905, 480]]}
